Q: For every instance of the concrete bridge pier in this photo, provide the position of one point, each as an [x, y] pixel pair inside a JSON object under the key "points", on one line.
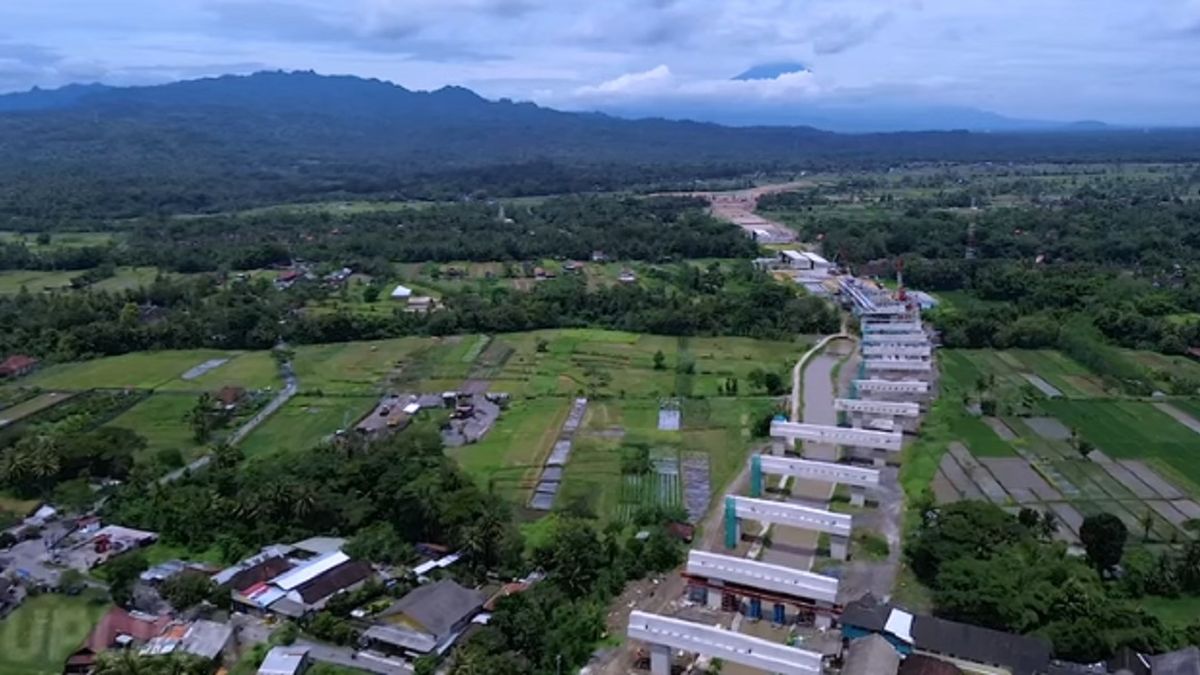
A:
{"points": [[839, 547], [858, 495], [823, 617], [660, 660]]}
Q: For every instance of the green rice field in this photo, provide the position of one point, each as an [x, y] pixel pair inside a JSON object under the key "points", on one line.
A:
{"points": [[304, 422], [37, 638]]}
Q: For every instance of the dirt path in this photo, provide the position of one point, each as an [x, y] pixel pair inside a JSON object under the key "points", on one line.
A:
{"points": [[1180, 416]]}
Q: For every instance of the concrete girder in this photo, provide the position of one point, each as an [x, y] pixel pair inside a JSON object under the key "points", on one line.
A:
{"points": [[897, 351], [898, 365], [771, 657], [826, 472], [863, 406], [917, 337], [775, 578], [891, 386], [791, 515], [816, 433]]}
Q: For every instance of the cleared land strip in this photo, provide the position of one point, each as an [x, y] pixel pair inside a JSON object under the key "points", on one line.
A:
{"points": [[958, 478], [1016, 476], [979, 473], [1152, 479], [1180, 416], [1123, 476]]}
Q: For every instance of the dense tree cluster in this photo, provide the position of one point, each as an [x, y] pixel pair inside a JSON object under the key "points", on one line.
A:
{"points": [[654, 228], [993, 569], [253, 315], [406, 481]]}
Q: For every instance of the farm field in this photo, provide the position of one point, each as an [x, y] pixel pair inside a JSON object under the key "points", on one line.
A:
{"points": [[714, 430], [58, 239], [304, 422], [37, 638], [125, 278], [140, 370], [35, 404], [511, 454], [363, 367], [1143, 471], [251, 370], [1009, 368], [160, 419], [611, 363]]}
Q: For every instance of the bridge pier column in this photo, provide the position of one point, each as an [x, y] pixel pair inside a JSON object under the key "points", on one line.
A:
{"points": [[879, 458], [858, 495], [712, 598], [733, 525], [756, 476], [777, 446], [755, 610], [660, 660], [838, 547], [823, 616], [780, 615]]}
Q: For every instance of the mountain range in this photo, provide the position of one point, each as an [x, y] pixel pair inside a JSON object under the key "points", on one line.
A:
{"points": [[224, 141]]}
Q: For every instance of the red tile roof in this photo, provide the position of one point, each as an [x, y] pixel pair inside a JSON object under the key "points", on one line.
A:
{"points": [[115, 623], [16, 363]]}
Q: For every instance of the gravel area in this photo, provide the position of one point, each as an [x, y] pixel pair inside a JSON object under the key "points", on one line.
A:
{"points": [[1168, 511], [1126, 478], [1042, 385], [943, 490], [1189, 508], [1049, 428], [1067, 515], [979, 473], [697, 486], [1016, 475], [198, 371], [958, 478], [1002, 430], [1180, 416], [1152, 479]]}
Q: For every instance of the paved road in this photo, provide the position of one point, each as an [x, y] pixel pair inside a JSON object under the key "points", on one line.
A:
{"points": [[291, 385]]}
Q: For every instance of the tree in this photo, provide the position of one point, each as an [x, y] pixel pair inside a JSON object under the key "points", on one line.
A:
{"points": [[187, 590], [122, 573], [660, 360], [380, 543], [200, 418], [130, 662], [773, 383], [371, 294], [1103, 536]]}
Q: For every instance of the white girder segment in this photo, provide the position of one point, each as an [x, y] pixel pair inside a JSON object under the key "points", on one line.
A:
{"points": [[775, 578], [897, 351], [891, 327], [817, 433], [792, 515], [886, 309], [827, 472], [894, 408], [892, 386], [914, 338], [726, 645], [898, 365]]}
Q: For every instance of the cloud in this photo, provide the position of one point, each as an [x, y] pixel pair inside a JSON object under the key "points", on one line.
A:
{"points": [[660, 84], [844, 32]]}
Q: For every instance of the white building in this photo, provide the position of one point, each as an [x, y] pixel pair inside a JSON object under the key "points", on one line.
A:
{"points": [[402, 293]]}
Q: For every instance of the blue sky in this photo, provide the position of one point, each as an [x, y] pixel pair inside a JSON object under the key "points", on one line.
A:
{"points": [[1119, 61]]}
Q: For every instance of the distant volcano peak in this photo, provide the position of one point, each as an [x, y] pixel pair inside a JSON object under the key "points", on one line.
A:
{"points": [[771, 71]]}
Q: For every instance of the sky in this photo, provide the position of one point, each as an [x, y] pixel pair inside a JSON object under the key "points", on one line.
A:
{"points": [[1120, 61]]}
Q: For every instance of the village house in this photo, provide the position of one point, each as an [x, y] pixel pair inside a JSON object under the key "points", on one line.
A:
{"points": [[17, 365], [426, 621], [117, 629]]}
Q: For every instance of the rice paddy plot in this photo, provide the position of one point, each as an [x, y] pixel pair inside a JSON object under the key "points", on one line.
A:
{"points": [[1132, 430], [651, 489], [140, 370], [304, 422], [37, 638]]}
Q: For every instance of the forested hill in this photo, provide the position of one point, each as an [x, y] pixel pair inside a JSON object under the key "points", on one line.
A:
{"points": [[218, 143]]}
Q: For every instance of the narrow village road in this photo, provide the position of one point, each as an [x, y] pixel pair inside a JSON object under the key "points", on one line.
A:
{"points": [[291, 385]]}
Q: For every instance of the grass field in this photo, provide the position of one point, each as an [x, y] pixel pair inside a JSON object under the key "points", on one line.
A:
{"points": [[511, 454], [362, 367], [161, 370], [612, 363], [37, 638], [978, 436], [141, 370], [965, 367], [58, 239], [1132, 430], [124, 278], [160, 420], [1173, 612], [304, 422], [35, 404]]}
